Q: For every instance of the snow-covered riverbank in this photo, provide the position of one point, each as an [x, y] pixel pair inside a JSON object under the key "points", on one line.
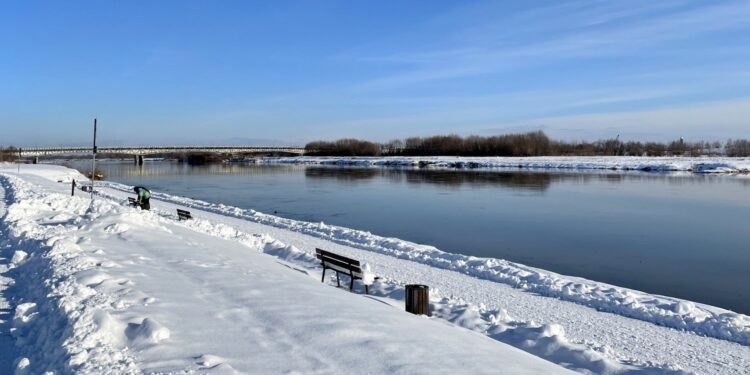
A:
{"points": [[127, 291], [631, 163]]}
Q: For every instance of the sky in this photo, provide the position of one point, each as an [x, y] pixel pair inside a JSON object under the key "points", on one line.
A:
{"points": [[288, 72]]}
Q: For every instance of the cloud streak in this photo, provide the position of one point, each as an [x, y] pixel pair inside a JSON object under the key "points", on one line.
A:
{"points": [[538, 37]]}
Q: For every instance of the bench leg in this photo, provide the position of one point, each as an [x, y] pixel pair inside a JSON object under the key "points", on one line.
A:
{"points": [[351, 283], [366, 291], [324, 274], [338, 282]]}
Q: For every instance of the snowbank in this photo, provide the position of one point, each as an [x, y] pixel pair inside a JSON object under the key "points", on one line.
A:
{"points": [[626, 163], [58, 323]]}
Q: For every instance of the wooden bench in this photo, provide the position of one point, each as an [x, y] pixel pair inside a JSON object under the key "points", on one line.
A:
{"points": [[132, 201], [183, 215], [340, 264]]}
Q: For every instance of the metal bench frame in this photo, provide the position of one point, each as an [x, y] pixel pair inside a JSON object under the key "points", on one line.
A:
{"points": [[183, 215], [340, 264]]}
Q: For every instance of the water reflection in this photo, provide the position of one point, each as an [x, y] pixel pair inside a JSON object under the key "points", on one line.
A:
{"points": [[449, 178], [516, 179], [532, 181]]}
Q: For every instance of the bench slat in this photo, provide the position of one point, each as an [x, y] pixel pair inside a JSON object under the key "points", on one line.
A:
{"points": [[331, 255], [182, 214], [356, 274], [340, 264]]}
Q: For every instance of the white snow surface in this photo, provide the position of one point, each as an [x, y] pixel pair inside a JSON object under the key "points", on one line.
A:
{"points": [[629, 163], [105, 288]]}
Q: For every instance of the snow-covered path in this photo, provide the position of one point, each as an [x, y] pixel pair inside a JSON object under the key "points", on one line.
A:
{"points": [[568, 333], [222, 301]]}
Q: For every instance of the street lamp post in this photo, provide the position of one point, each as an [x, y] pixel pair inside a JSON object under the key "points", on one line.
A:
{"points": [[93, 162]]}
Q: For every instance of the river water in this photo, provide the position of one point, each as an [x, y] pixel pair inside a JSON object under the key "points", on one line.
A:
{"points": [[686, 236]]}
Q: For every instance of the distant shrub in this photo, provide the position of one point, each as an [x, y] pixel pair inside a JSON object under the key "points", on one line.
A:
{"points": [[8, 154], [343, 147], [200, 158], [739, 147], [522, 144]]}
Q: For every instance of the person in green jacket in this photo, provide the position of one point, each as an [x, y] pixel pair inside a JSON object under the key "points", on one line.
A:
{"points": [[144, 196]]}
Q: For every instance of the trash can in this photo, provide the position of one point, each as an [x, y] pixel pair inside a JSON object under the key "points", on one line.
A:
{"points": [[418, 299]]}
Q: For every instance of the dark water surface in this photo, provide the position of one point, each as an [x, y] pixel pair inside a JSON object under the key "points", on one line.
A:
{"points": [[686, 236]]}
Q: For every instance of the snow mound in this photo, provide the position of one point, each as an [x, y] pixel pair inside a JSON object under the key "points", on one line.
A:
{"points": [[22, 366], [116, 228], [149, 331], [18, 257], [25, 313]]}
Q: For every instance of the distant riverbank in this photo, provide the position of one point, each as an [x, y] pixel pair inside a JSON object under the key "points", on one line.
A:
{"points": [[625, 163]]}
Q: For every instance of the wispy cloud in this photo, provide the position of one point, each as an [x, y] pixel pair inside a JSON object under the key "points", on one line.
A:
{"points": [[544, 35]]}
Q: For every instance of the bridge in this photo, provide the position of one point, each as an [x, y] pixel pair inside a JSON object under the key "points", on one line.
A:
{"points": [[140, 152]]}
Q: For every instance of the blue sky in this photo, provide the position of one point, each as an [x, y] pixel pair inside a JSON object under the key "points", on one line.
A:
{"points": [[224, 72]]}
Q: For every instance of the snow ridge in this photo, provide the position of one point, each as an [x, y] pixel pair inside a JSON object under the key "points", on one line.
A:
{"points": [[666, 311], [60, 325]]}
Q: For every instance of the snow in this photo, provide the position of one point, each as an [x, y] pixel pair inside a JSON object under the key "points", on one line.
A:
{"points": [[630, 163], [126, 291]]}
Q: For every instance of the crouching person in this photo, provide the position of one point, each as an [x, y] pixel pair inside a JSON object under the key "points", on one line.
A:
{"points": [[144, 197]]}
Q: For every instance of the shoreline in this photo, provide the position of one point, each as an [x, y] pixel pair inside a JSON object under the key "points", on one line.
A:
{"points": [[696, 165]]}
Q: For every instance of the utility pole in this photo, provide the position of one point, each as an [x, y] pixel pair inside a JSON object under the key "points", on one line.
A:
{"points": [[19, 160], [93, 162]]}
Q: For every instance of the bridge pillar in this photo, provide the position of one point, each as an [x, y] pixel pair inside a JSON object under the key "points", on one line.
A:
{"points": [[36, 160], [138, 159]]}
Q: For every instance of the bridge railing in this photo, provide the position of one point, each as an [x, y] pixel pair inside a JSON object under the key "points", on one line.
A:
{"points": [[146, 150]]}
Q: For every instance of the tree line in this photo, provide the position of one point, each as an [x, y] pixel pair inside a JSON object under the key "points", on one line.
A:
{"points": [[8, 154], [523, 144]]}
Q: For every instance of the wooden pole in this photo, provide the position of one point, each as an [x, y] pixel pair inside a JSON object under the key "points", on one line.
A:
{"points": [[418, 299]]}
